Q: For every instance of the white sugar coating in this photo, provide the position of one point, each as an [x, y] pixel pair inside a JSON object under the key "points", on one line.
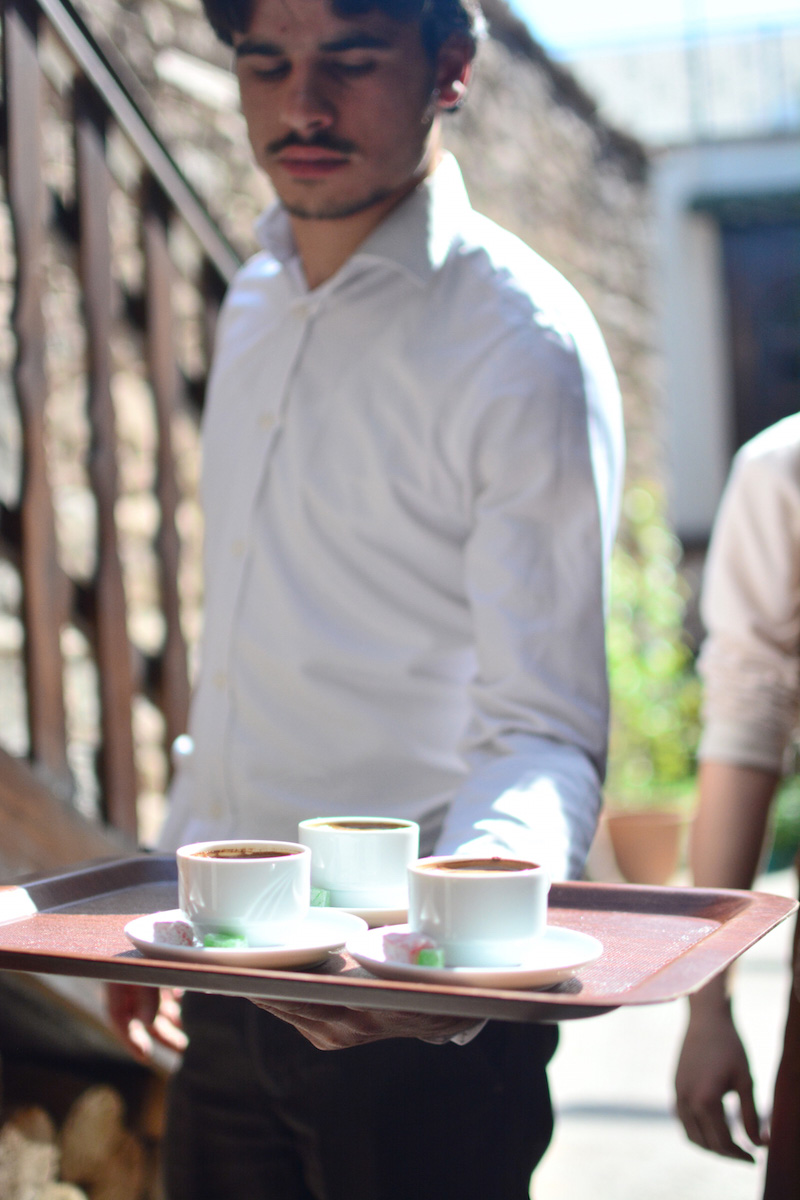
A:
{"points": [[405, 947], [173, 933]]}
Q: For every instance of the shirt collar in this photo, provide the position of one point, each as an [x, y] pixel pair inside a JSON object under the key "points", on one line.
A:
{"points": [[415, 237]]}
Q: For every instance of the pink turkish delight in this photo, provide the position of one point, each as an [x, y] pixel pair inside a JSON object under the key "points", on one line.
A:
{"points": [[407, 947], [173, 933]]}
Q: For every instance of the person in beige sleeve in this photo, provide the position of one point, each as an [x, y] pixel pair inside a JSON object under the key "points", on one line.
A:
{"points": [[750, 667]]}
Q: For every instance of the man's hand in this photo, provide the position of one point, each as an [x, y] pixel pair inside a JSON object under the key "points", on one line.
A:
{"points": [[713, 1062], [330, 1027], [142, 1015]]}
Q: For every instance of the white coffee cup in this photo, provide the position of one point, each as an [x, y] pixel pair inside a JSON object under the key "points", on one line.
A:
{"points": [[482, 912], [361, 861], [259, 890]]}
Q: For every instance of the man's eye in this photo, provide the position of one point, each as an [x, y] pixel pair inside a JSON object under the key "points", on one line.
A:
{"points": [[278, 71], [350, 69]]}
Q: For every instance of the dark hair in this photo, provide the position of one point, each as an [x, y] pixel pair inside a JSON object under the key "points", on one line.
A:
{"points": [[438, 19]]}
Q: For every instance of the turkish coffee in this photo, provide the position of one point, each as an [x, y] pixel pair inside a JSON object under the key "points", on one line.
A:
{"points": [[360, 825], [481, 865], [240, 852]]}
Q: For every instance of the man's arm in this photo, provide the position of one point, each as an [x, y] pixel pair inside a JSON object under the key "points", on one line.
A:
{"points": [[727, 844], [548, 476], [542, 458]]}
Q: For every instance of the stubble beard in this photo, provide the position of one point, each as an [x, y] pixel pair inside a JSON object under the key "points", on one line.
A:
{"points": [[333, 211]]}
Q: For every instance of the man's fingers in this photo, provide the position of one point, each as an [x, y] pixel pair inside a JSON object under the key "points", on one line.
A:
{"points": [[170, 1005], [334, 1027], [130, 1002], [314, 1025], [142, 1015], [139, 1041], [287, 1010], [165, 1031]]}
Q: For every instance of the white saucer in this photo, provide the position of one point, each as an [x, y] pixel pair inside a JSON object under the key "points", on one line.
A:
{"points": [[554, 957], [321, 931], [376, 916]]}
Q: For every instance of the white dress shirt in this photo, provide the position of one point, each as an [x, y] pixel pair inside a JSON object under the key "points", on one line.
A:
{"points": [[410, 486], [750, 660]]}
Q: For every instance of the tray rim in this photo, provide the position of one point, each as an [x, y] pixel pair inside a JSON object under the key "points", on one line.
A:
{"points": [[750, 915]]}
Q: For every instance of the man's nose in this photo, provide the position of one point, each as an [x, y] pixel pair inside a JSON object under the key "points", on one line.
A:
{"points": [[307, 104]]}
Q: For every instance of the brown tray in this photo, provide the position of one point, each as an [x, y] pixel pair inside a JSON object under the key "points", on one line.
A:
{"points": [[659, 943]]}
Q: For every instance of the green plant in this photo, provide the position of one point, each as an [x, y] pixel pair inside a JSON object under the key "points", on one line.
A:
{"points": [[785, 825], [655, 693]]}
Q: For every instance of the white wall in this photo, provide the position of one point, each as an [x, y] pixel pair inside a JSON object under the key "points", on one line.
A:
{"points": [[692, 311]]}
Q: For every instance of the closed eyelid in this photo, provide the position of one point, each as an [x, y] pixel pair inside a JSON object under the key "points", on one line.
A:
{"points": [[263, 66], [336, 67]]}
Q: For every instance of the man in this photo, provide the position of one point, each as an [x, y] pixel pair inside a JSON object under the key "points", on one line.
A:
{"points": [[412, 456]]}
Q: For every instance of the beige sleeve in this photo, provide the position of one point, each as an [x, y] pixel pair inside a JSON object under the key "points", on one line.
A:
{"points": [[751, 608]]}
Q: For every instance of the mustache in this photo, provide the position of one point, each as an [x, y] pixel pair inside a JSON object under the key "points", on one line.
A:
{"points": [[322, 140]]}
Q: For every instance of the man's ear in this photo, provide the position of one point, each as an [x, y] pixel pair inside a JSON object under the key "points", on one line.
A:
{"points": [[453, 69]]}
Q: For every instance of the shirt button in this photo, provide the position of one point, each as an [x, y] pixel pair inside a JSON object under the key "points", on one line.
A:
{"points": [[238, 547], [220, 679], [267, 421]]}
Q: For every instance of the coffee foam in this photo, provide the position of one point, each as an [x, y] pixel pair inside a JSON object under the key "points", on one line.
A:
{"points": [[481, 866], [240, 853]]}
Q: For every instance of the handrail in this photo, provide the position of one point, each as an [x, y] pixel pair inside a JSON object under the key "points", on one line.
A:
{"points": [[136, 325], [80, 42]]}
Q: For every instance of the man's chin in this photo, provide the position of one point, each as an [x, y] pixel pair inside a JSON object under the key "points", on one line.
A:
{"points": [[322, 209]]}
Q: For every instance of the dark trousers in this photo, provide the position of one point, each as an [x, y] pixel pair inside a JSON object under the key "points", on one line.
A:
{"points": [[256, 1113]]}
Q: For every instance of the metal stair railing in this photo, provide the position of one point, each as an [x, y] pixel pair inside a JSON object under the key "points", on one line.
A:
{"points": [[128, 322]]}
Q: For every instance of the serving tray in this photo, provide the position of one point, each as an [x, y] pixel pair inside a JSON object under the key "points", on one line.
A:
{"points": [[659, 943]]}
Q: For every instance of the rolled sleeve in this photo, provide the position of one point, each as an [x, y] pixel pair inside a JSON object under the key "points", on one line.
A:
{"points": [[751, 608]]}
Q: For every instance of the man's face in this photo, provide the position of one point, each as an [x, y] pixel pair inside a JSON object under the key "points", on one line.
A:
{"points": [[339, 110]]}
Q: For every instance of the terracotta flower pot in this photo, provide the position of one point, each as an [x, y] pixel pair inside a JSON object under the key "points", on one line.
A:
{"points": [[647, 845]]}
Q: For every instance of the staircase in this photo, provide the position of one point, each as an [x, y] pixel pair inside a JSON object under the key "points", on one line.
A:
{"points": [[116, 273], [111, 274]]}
